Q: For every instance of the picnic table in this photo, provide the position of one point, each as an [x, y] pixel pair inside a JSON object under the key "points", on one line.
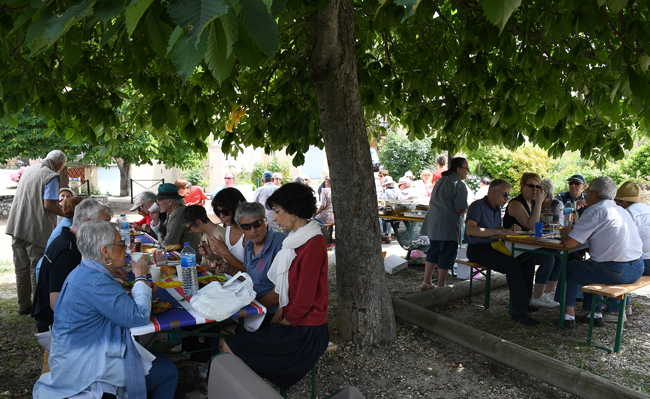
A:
{"points": [[532, 244], [183, 315], [407, 231]]}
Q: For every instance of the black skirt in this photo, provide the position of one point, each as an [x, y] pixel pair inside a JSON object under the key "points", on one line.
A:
{"points": [[282, 354]]}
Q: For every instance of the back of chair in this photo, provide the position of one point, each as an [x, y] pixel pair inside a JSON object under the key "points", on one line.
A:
{"points": [[231, 378]]}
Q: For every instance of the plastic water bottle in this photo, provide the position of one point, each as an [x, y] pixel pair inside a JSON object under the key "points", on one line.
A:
{"points": [[124, 229], [188, 265], [568, 208]]}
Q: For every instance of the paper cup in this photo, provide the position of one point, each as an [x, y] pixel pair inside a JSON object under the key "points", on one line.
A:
{"points": [[153, 207], [155, 273], [135, 256]]}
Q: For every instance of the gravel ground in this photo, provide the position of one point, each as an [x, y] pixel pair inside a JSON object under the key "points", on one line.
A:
{"points": [[419, 364]]}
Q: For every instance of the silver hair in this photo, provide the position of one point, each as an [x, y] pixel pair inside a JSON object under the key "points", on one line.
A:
{"points": [[146, 197], [277, 174], [298, 179], [250, 210], [92, 236], [56, 156], [89, 209], [604, 187], [178, 202], [498, 183], [548, 188]]}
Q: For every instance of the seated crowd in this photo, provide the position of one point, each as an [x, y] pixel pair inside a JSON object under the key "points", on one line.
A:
{"points": [[88, 314]]}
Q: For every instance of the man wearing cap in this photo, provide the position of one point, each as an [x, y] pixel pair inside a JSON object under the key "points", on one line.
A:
{"points": [[410, 175], [263, 193], [408, 193], [173, 231], [577, 184], [614, 245], [31, 221], [629, 197]]}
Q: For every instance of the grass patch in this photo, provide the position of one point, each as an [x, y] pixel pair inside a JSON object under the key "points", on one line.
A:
{"points": [[6, 265]]}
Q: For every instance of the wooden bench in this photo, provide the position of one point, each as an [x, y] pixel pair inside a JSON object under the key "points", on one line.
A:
{"points": [[475, 269], [617, 291]]}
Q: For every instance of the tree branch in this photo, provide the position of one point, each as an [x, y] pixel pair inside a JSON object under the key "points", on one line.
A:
{"points": [[619, 35]]}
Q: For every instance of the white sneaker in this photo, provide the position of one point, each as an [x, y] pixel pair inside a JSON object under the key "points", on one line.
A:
{"points": [[543, 302], [203, 370], [177, 349]]}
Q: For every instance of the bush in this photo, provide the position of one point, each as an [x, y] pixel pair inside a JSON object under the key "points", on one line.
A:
{"points": [[571, 164], [398, 154], [273, 166], [636, 167], [196, 176], [243, 177]]}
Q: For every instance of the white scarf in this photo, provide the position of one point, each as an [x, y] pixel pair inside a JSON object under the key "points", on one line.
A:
{"points": [[279, 270]]}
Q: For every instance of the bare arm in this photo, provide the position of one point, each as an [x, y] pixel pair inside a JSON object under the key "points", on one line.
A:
{"points": [[270, 299], [473, 229], [566, 240], [517, 210], [53, 207], [53, 297], [461, 211]]}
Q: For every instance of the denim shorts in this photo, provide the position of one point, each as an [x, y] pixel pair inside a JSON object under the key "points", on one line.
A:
{"points": [[442, 253]]}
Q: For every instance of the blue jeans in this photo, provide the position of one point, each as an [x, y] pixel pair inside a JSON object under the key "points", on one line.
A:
{"points": [[386, 230], [581, 273], [162, 377], [646, 263]]}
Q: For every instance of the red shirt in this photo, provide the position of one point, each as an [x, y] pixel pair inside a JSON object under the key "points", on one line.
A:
{"points": [[437, 174], [308, 295], [195, 196], [147, 219]]}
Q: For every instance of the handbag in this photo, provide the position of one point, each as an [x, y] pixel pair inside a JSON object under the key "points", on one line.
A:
{"points": [[501, 247], [218, 302]]}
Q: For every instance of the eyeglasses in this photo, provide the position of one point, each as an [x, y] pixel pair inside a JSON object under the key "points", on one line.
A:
{"points": [[505, 195], [120, 243], [228, 178], [574, 183], [222, 211], [277, 178], [534, 186], [256, 224], [465, 167]]}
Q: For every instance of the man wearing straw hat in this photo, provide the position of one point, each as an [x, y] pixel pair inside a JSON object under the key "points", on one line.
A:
{"points": [[629, 197]]}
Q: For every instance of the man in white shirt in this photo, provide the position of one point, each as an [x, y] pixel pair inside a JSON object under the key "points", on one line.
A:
{"points": [[629, 198], [613, 261]]}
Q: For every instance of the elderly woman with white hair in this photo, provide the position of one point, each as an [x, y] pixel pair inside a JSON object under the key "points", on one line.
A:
{"points": [[92, 350], [551, 207]]}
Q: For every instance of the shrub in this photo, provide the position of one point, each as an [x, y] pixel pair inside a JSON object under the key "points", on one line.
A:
{"points": [[273, 166], [398, 154], [196, 176]]}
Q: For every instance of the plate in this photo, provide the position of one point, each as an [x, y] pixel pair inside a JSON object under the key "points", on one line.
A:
{"points": [[169, 284], [159, 307], [209, 279]]}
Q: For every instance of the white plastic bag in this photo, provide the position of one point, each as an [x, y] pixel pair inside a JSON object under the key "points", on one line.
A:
{"points": [[45, 339], [218, 302]]}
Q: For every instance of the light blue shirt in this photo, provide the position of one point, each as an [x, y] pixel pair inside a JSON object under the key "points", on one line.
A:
{"points": [[51, 190], [610, 233], [257, 266], [65, 222], [92, 318]]}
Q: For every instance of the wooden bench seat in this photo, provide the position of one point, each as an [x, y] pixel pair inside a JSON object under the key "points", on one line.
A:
{"points": [[487, 272], [617, 291]]}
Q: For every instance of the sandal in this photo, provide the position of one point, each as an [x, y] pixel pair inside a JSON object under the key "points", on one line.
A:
{"points": [[426, 287]]}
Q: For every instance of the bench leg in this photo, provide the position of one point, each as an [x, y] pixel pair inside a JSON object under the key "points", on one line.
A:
{"points": [[488, 279], [471, 279], [619, 324], [594, 301]]}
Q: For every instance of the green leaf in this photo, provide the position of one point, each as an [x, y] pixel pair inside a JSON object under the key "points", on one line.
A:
{"points": [[106, 10], [539, 116], [22, 18], [231, 28], [35, 28], [134, 12], [261, 26], [158, 113], [216, 57], [59, 24], [156, 35], [194, 15], [638, 84], [644, 63], [72, 48], [247, 51], [187, 57], [498, 11], [278, 6], [111, 32], [411, 6], [176, 34], [616, 5]]}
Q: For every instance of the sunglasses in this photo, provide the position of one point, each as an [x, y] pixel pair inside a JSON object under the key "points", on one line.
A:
{"points": [[228, 178], [534, 186], [505, 195], [277, 178], [256, 224], [574, 183], [222, 211], [121, 243]]}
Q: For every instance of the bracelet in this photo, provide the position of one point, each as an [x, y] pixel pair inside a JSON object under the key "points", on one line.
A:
{"points": [[141, 279]]}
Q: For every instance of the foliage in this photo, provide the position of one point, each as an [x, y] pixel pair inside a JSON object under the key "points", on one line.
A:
{"points": [[637, 165], [571, 164], [15, 176], [273, 166], [196, 176], [398, 154], [243, 177]]}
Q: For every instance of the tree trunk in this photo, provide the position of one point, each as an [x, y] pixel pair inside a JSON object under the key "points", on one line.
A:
{"points": [[125, 177], [64, 181], [364, 303]]}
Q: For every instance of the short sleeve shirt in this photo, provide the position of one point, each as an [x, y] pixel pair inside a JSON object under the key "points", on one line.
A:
{"points": [[257, 266], [51, 190], [441, 222], [486, 216], [602, 222]]}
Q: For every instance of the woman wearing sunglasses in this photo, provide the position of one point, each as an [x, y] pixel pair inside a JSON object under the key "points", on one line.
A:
{"points": [[524, 210], [285, 350], [229, 251]]}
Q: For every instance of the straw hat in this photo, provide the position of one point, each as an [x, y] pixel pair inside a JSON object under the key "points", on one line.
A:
{"points": [[629, 192]]}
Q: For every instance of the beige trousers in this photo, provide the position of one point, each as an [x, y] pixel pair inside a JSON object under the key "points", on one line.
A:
{"points": [[26, 257]]}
